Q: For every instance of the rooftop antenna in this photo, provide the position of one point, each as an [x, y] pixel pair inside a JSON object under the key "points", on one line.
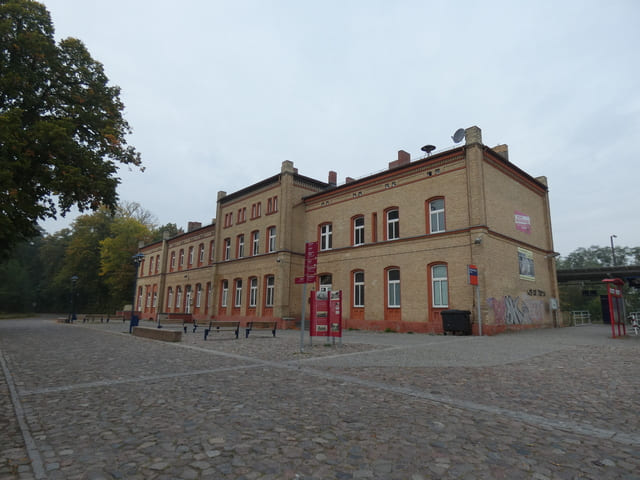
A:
{"points": [[458, 136], [428, 149]]}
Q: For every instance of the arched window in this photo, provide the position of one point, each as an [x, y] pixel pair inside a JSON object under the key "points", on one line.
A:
{"points": [[393, 288], [358, 230], [326, 236], [253, 292], [393, 224], [436, 215], [358, 289]]}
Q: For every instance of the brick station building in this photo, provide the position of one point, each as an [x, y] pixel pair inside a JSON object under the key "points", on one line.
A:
{"points": [[397, 243]]}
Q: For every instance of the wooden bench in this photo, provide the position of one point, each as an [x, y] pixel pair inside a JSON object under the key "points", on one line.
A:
{"points": [[94, 317], [165, 319], [262, 326], [220, 326]]}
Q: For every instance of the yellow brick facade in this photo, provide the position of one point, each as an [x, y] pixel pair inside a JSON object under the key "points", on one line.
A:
{"points": [[419, 226]]}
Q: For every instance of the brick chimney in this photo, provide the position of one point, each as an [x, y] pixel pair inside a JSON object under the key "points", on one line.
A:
{"points": [[333, 178], [191, 226], [404, 158], [503, 150]]}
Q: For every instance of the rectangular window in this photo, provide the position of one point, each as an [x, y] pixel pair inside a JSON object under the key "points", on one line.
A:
{"points": [[326, 240], [358, 231], [155, 300], [255, 243], [198, 295], [212, 249], [270, 293], [272, 239], [178, 298], [190, 255], [224, 295], [436, 216], [253, 292], [393, 284], [240, 246], [201, 256], [169, 298], [173, 260], [358, 289], [228, 220], [148, 304], [151, 266], [227, 248], [238, 300], [393, 224], [182, 258], [440, 286]]}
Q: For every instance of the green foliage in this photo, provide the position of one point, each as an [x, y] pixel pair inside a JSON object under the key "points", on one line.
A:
{"points": [[595, 256], [97, 249], [61, 125]]}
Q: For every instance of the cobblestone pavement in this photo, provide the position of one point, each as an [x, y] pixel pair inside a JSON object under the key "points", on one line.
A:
{"points": [[90, 401]]}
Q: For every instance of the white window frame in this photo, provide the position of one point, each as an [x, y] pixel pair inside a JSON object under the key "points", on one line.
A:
{"points": [[393, 289], [393, 224], [178, 298], [255, 243], [436, 217], [272, 239], [358, 231], [238, 293], [253, 292], [227, 249], [240, 246], [170, 297], [201, 253], [198, 295], [326, 236], [439, 286], [225, 293], [270, 293], [358, 289], [191, 249]]}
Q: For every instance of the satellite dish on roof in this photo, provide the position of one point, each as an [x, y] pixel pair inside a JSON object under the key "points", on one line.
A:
{"points": [[428, 149], [458, 136]]}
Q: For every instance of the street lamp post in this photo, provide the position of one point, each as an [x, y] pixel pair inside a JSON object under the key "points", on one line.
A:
{"points": [[72, 316], [613, 250], [137, 260]]}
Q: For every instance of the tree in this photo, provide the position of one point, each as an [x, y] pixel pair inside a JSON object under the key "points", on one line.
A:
{"points": [[61, 124], [116, 252]]}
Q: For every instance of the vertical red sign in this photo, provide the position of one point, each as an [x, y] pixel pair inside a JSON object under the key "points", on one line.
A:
{"points": [[473, 275], [319, 320]]}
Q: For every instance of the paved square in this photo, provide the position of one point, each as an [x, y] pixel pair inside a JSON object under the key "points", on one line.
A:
{"points": [[90, 401]]}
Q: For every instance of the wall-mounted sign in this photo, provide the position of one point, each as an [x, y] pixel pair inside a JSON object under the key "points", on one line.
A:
{"points": [[523, 222], [525, 264]]}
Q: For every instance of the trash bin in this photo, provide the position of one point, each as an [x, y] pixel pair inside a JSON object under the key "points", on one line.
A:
{"points": [[456, 321], [133, 323]]}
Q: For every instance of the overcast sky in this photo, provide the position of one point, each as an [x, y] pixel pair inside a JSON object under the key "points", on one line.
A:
{"points": [[219, 93]]}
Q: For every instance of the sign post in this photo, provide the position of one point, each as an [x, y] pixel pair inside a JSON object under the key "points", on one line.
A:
{"points": [[473, 280], [310, 268]]}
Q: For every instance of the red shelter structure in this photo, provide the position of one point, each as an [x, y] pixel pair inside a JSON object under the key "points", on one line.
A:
{"points": [[616, 306]]}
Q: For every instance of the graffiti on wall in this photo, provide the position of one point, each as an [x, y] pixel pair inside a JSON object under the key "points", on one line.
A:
{"points": [[510, 310]]}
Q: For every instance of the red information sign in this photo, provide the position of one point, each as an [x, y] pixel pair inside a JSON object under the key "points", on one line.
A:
{"points": [[310, 258], [335, 314], [473, 275], [319, 320], [307, 279]]}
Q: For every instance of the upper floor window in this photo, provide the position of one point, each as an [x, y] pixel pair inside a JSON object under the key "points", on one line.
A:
{"points": [[181, 263], [227, 248], [240, 246], [358, 289], [228, 220], [393, 285], [272, 205], [272, 239], [201, 254], [393, 224], [256, 210], [436, 215], [358, 231], [157, 263], [212, 250], [150, 265], [270, 291], [242, 215], [440, 286], [191, 255], [173, 260], [326, 233], [255, 243]]}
